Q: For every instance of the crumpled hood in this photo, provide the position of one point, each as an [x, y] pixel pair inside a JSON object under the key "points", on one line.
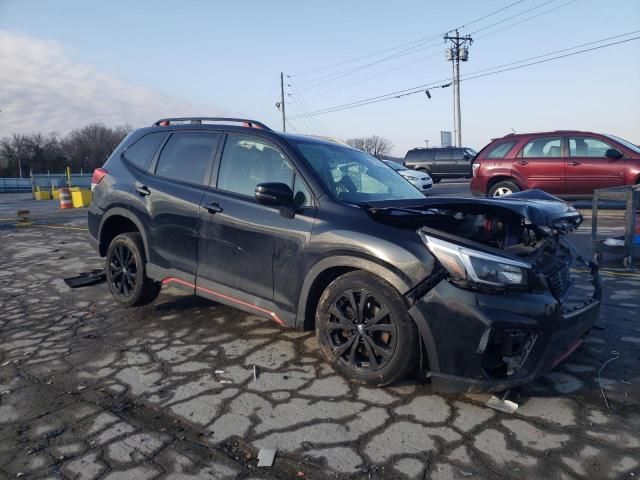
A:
{"points": [[537, 206]]}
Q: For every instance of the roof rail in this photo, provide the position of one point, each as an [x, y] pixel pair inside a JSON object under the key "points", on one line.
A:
{"points": [[199, 120]]}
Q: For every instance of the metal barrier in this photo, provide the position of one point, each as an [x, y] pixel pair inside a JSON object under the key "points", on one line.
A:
{"points": [[56, 180], [15, 185]]}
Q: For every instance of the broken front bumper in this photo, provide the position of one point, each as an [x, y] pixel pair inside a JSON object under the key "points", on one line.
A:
{"points": [[480, 342]]}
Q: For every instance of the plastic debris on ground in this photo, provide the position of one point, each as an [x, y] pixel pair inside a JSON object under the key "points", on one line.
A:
{"points": [[87, 278], [266, 457], [502, 404]]}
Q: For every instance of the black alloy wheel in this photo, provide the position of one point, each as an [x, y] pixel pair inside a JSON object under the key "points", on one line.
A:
{"points": [[361, 329], [123, 271], [126, 274], [364, 329]]}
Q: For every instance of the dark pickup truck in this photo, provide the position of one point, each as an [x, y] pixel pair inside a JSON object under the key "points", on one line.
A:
{"points": [[444, 162]]}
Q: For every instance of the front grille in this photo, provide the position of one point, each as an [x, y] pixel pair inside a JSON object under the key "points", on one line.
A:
{"points": [[560, 281]]}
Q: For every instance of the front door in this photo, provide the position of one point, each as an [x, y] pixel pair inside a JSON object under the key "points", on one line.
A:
{"points": [[171, 194], [541, 163], [251, 252], [588, 168]]}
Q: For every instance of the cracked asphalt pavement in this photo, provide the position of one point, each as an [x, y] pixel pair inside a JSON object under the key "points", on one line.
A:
{"points": [[91, 390]]}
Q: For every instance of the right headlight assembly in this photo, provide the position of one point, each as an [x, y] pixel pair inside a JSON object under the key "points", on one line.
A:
{"points": [[464, 263]]}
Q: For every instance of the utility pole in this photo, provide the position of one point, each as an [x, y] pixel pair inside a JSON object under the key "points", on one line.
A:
{"points": [[284, 116], [456, 53]]}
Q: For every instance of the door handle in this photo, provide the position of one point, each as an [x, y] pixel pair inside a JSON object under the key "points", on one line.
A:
{"points": [[523, 162], [213, 207], [573, 164], [143, 190]]}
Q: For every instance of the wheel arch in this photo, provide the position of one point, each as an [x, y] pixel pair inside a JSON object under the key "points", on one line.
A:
{"points": [[502, 178], [116, 221], [327, 270]]}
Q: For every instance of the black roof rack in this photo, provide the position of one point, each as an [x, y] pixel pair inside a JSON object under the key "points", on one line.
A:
{"points": [[199, 120]]}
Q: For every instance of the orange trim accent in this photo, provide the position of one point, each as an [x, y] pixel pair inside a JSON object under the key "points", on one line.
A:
{"points": [[273, 315]]}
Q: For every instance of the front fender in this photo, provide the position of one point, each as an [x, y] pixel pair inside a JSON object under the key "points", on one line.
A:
{"points": [[350, 261]]}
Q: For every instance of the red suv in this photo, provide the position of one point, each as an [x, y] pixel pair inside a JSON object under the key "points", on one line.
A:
{"points": [[564, 163]]}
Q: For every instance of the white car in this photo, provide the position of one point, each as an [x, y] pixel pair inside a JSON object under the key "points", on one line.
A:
{"points": [[422, 181]]}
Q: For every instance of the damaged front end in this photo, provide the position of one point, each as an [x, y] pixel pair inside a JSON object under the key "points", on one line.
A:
{"points": [[503, 309]]}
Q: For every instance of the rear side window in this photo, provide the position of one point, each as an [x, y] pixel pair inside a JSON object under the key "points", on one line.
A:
{"points": [[542, 147], [186, 156], [500, 150], [142, 151], [444, 154]]}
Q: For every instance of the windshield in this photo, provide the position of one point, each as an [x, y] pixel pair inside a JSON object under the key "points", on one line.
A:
{"points": [[395, 165], [624, 142], [355, 176]]}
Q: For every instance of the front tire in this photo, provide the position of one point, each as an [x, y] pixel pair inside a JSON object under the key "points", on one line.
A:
{"points": [[364, 330], [503, 188], [126, 274]]}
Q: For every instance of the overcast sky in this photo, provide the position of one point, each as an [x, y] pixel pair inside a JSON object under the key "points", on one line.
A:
{"points": [[70, 62]]}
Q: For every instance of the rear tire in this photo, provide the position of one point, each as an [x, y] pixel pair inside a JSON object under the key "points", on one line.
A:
{"points": [[126, 272], [364, 330], [503, 188], [435, 179]]}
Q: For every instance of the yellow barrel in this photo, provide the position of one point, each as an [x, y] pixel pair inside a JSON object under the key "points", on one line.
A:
{"points": [[65, 198]]}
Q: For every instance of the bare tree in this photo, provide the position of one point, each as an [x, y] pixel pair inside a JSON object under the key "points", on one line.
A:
{"points": [[374, 145], [14, 153], [88, 147], [84, 148]]}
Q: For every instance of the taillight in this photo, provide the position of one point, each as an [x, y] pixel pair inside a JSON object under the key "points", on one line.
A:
{"points": [[98, 175], [474, 168]]}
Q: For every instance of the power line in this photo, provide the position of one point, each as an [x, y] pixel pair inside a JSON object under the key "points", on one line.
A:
{"points": [[430, 84], [413, 62], [526, 19], [303, 115], [292, 126], [412, 43], [306, 105], [371, 77], [513, 16], [420, 88], [302, 105]]}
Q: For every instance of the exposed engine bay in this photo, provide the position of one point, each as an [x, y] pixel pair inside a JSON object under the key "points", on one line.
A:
{"points": [[504, 231]]}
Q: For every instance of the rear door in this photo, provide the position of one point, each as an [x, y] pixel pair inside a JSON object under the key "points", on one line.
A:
{"points": [[246, 247], [588, 168], [169, 199], [541, 162], [442, 164]]}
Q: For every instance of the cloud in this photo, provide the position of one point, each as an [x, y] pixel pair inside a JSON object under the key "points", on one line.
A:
{"points": [[42, 89]]}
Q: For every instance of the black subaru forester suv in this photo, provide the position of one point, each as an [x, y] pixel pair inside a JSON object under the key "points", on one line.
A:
{"points": [[476, 294]]}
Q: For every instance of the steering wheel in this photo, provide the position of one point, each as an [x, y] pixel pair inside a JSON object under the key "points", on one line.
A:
{"points": [[346, 185]]}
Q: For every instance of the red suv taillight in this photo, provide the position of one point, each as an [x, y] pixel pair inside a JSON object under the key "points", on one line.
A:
{"points": [[98, 175], [474, 168]]}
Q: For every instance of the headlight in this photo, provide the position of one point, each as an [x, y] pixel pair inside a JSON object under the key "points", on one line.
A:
{"points": [[411, 179], [480, 267]]}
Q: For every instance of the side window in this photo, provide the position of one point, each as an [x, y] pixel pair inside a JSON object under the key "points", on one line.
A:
{"points": [[301, 194], [542, 147], [444, 154], [186, 156], [500, 150], [143, 150], [248, 161], [587, 147]]}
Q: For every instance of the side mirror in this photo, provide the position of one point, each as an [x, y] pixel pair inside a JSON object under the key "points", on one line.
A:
{"points": [[466, 156], [613, 153], [274, 194]]}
